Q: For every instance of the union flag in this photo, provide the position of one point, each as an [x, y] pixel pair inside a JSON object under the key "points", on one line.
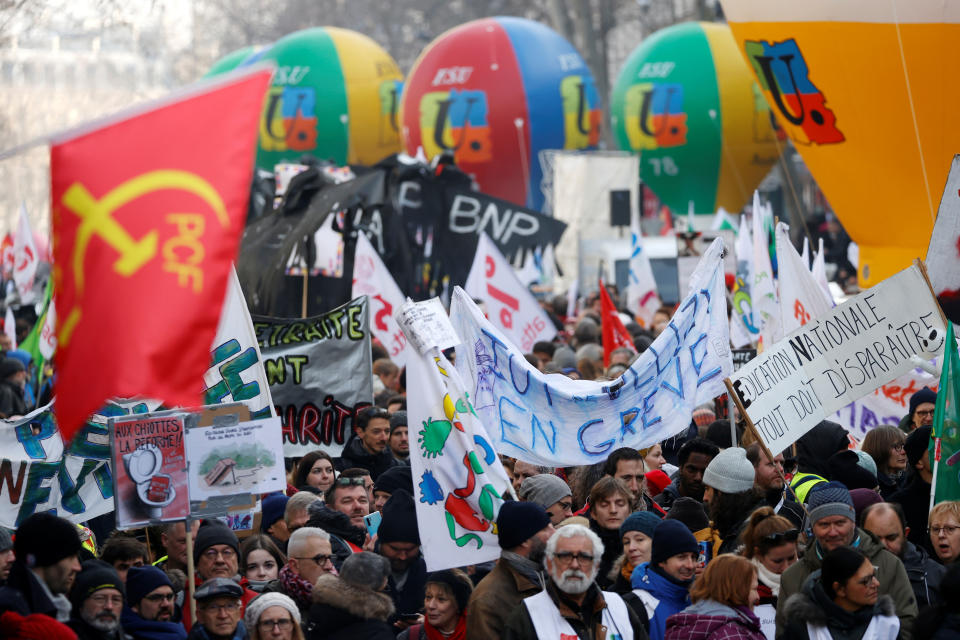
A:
{"points": [[614, 334], [148, 209]]}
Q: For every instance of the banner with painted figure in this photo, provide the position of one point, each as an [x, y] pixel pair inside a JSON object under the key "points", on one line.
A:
{"points": [[39, 473], [549, 419], [744, 330], [236, 372], [25, 258], [801, 298], [372, 279], [840, 357], [318, 371], [510, 306], [458, 477]]}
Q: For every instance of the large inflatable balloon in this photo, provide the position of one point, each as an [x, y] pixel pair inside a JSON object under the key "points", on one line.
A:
{"points": [[495, 92], [866, 92], [686, 102], [231, 61], [334, 96]]}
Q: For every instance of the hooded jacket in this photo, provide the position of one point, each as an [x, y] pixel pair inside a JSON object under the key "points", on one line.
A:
{"points": [[342, 611], [496, 596], [813, 608], [668, 597], [354, 455], [24, 594], [141, 629], [893, 580], [711, 620]]}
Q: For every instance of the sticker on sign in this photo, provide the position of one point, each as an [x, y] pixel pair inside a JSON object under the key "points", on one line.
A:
{"points": [[840, 357]]}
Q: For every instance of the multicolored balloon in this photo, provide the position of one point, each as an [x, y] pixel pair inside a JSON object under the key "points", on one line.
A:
{"points": [[686, 102], [496, 92], [334, 96], [864, 90]]}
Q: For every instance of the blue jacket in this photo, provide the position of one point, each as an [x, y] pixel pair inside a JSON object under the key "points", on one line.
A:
{"points": [[140, 629], [197, 632], [673, 598]]}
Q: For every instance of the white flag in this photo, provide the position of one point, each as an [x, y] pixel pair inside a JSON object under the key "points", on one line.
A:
{"points": [[805, 254], [743, 329], [819, 271], [801, 298], [24, 256], [510, 306], [47, 342], [458, 478], [372, 278], [763, 295], [642, 297], [10, 327]]}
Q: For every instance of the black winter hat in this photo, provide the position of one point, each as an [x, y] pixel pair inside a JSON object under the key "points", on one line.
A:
{"points": [[94, 576], [917, 444], [211, 534], [517, 522], [671, 538], [398, 419], [689, 512], [10, 366], [844, 468], [924, 395], [395, 478], [43, 540], [399, 522]]}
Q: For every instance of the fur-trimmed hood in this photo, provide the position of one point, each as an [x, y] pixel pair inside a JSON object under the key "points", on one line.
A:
{"points": [[359, 603]]}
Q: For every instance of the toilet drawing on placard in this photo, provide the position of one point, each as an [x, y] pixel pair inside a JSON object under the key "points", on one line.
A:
{"points": [[155, 490]]}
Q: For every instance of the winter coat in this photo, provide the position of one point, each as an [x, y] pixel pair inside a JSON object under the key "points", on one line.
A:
{"points": [[612, 547], [890, 484], [924, 572], [711, 620], [12, 402], [949, 629], [812, 607], [816, 446], [354, 455], [893, 580], [409, 599], [495, 597], [342, 611], [914, 498], [24, 594], [198, 632], [85, 632], [669, 495], [662, 597], [140, 629]]}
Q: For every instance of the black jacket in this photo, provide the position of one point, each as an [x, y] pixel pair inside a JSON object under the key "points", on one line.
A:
{"points": [[915, 500], [816, 446], [354, 455], [410, 598], [11, 400], [924, 572], [612, 549], [341, 611], [85, 632], [813, 606], [24, 594]]}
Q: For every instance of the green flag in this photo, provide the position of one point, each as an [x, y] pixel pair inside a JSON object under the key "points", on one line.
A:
{"points": [[31, 344], [946, 425]]}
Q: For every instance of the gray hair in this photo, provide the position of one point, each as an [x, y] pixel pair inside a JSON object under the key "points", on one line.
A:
{"points": [[297, 503], [365, 569], [298, 539], [575, 531]]}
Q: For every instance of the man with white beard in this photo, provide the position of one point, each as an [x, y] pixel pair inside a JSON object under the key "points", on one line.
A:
{"points": [[573, 605], [97, 596]]}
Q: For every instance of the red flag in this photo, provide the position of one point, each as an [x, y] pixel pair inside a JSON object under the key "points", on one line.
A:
{"points": [[147, 212], [615, 335]]}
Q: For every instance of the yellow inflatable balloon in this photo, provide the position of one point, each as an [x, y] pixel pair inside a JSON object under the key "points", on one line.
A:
{"points": [[866, 91]]}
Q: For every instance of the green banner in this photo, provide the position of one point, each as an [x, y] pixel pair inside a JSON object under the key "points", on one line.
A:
{"points": [[946, 424]]}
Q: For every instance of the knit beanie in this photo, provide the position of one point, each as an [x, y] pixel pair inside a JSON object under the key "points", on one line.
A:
{"points": [[689, 512], [10, 366], [143, 580], [43, 540], [730, 471], [672, 538], [93, 576], [866, 461], [863, 498], [271, 510], [844, 467], [830, 499], [263, 602], [657, 481], [365, 569], [643, 521], [399, 523], [6, 540], [211, 534], [917, 444], [460, 588], [394, 478], [398, 419], [924, 395], [35, 626], [544, 489], [517, 522]]}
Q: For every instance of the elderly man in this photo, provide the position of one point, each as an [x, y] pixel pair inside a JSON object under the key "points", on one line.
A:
{"points": [[572, 605], [216, 555], [523, 529], [834, 525], [97, 598], [219, 611], [551, 493], [150, 609], [309, 556]]}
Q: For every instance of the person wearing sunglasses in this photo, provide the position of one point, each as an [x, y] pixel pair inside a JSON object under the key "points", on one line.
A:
{"points": [[770, 544], [842, 600], [273, 616], [151, 611]]}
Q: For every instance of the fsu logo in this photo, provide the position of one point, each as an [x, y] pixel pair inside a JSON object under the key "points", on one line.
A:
{"points": [[581, 112], [785, 80], [654, 116], [456, 120]]}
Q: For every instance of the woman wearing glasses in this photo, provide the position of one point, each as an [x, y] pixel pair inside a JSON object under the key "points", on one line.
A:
{"points": [[886, 446], [770, 543], [945, 531], [842, 601], [273, 616]]}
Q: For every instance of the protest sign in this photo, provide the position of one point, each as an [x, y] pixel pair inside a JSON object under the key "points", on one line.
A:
{"points": [[549, 419], [245, 458], [150, 470], [372, 279], [458, 478], [839, 357], [510, 306], [885, 406], [317, 369], [943, 261]]}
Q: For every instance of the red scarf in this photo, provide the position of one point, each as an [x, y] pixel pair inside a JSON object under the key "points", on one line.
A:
{"points": [[295, 587], [459, 632]]}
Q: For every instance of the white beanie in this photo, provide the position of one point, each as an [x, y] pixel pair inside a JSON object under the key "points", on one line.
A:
{"points": [[266, 600], [730, 471]]}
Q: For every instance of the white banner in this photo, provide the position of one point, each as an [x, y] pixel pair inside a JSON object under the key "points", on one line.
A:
{"points": [[840, 357], [819, 271], [763, 294], [801, 298], [25, 257], [549, 419], [47, 341], [458, 478], [642, 297], [372, 279], [743, 329], [943, 260], [510, 306], [885, 406]]}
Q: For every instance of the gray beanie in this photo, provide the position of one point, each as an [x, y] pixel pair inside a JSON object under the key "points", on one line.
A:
{"points": [[6, 542], [266, 600], [830, 499], [544, 489], [730, 471], [365, 569]]}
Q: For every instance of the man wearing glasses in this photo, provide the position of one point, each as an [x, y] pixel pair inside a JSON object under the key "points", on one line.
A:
{"points": [[97, 598], [216, 555], [310, 556], [219, 610], [150, 610], [573, 605]]}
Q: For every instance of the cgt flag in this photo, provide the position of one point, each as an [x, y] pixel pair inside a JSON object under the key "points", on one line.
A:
{"points": [[614, 334], [148, 209]]}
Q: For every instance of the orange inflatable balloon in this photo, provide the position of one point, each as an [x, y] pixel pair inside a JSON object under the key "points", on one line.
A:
{"points": [[865, 89]]}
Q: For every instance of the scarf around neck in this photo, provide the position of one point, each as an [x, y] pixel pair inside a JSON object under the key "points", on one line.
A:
{"points": [[295, 587], [767, 577], [459, 632], [524, 566]]}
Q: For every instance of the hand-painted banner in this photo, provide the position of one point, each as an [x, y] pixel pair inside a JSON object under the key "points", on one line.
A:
{"points": [[372, 279], [318, 373], [839, 357], [549, 419], [510, 305], [885, 406], [458, 477], [37, 473]]}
